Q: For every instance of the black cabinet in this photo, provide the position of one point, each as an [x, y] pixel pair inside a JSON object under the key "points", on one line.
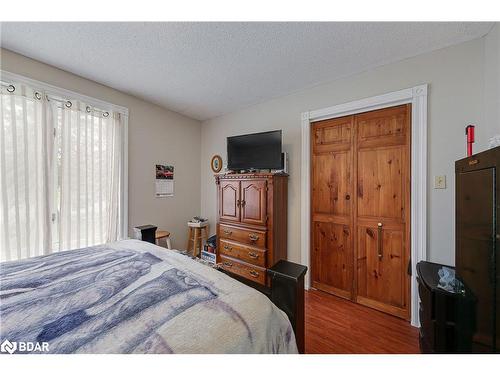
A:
{"points": [[477, 256], [446, 318]]}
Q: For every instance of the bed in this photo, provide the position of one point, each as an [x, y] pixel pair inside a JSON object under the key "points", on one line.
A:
{"points": [[135, 297]]}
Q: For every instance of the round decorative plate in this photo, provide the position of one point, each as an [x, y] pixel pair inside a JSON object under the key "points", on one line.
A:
{"points": [[216, 163]]}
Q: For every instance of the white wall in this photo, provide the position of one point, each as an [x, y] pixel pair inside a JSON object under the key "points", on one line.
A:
{"points": [[455, 75], [464, 88], [492, 78], [155, 135]]}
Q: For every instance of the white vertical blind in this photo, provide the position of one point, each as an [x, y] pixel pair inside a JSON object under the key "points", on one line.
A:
{"points": [[24, 215], [62, 178]]}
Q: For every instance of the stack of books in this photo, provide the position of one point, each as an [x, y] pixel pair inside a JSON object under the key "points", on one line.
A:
{"points": [[208, 252], [209, 257]]}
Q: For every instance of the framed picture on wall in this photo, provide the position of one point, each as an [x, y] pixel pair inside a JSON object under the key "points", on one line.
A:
{"points": [[216, 163]]}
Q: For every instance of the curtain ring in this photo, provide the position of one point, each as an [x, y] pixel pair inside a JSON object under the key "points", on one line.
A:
{"points": [[38, 96], [105, 114], [11, 88], [88, 109], [68, 104]]}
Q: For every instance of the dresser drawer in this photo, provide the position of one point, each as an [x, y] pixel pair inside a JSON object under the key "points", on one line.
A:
{"points": [[245, 270], [247, 254], [245, 236]]}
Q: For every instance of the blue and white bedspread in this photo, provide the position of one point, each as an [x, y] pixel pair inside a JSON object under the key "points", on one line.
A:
{"points": [[135, 297]]}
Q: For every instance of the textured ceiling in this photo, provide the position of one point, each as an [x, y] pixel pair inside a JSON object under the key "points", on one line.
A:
{"points": [[204, 70]]}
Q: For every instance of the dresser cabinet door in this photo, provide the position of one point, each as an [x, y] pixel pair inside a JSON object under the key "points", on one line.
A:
{"points": [[253, 202], [229, 200]]}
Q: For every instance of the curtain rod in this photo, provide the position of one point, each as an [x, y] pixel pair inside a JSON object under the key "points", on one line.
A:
{"points": [[67, 103], [10, 77]]}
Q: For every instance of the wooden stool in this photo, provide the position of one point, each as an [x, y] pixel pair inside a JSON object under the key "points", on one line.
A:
{"points": [[197, 232], [163, 234]]}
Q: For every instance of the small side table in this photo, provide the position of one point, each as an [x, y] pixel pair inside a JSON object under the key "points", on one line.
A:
{"points": [[287, 292], [163, 234], [197, 232]]}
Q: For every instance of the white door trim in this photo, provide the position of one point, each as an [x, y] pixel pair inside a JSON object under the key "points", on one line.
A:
{"points": [[417, 96]]}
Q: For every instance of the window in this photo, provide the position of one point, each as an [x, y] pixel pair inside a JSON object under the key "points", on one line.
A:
{"points": [[62, 164]]}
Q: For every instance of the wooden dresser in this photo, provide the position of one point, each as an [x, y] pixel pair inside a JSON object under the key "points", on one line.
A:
{"points": [[251, 223]]}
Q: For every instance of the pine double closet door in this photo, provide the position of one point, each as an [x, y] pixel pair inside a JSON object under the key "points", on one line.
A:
{"points": [[360, 208]]}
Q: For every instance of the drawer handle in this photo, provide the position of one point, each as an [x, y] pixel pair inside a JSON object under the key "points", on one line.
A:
{"points": [[253, 237], [253, 255], [228, 264], [227, 232], [254, 273], [228, 248]]}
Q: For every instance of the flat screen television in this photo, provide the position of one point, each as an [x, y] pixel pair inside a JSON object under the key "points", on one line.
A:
{"points": [[254, 151]]}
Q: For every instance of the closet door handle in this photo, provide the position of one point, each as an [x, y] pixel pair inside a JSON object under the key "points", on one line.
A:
{"points": [[238, 203], [243, 203], [380, 242]]}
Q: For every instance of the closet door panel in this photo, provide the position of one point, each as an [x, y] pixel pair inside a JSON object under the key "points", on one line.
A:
{"points": [[382, 128], [332, 253], [331, 183], [332, 135], [382, 209], [380, 182], [380, 266], [331, 206]]}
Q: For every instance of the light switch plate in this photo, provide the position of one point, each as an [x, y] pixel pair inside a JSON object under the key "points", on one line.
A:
{"points": [[439, 182]]}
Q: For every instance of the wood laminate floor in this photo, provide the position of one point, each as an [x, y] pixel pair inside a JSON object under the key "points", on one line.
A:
{"points": [[335, 325]]}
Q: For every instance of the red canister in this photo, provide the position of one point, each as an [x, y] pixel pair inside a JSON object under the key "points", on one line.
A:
{"points": [[469, 132]]}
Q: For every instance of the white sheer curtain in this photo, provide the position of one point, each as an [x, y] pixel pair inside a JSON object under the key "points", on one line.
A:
{"points": [[88, 168], [61, 174], [24, 175]]}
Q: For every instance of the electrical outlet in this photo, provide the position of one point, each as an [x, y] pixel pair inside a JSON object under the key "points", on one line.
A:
{"points": [[439, 182]]}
